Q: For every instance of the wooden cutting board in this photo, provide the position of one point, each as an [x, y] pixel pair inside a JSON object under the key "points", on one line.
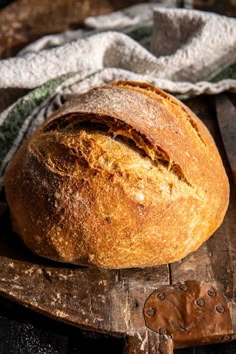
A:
{"points": [[118, 302]]}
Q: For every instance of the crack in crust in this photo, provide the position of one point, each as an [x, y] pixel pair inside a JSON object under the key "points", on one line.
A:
{"points": [[74, 123], [147, 89]]}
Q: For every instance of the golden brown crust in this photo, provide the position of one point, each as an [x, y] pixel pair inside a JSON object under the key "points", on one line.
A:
{"points": [[123, 176]]}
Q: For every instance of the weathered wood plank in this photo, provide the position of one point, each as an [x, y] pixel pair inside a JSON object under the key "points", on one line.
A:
{"points": [[226, 118], [215, 261], [149, 342], [140, 283], [96, 299]]}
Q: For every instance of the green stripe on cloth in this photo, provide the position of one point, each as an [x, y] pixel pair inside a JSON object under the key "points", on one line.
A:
{"points": [[15, 119], [227, 73], [140, 33]]}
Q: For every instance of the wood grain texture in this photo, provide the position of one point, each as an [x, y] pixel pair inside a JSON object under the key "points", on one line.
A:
{"points": [[226, 117], [148, 342], [112, 301]]}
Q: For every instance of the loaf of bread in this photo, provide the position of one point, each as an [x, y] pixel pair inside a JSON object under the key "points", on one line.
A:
{"points": [[123, 176]]}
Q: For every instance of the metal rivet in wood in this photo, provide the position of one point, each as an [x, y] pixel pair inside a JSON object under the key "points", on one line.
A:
{"points": [[220, 309], [200, 302], [183, 287], [150, 312], [211, 293], [161, 296], [162, 331]]}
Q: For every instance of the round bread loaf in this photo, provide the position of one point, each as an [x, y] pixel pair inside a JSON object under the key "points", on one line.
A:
{"points": [[123, 176]]}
